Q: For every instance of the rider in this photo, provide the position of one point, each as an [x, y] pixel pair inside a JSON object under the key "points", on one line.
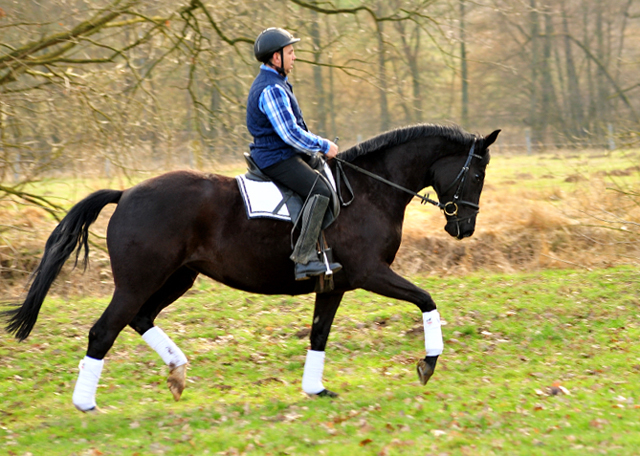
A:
{"points": [[283, 147]]}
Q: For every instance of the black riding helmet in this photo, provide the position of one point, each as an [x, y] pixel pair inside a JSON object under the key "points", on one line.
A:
{"points": [[272, 40]]}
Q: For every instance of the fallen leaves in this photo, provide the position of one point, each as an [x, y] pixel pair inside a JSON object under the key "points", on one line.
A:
{"points": [[303, 333], [598, 423], [553, 390]]}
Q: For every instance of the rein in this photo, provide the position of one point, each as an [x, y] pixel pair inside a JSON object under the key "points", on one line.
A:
{"points": [[450, 208]]}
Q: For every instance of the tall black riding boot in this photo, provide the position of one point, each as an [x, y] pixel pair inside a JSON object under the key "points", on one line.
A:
{"points": [[305, 253]]}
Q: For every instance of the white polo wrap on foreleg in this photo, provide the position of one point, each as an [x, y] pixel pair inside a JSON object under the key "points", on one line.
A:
{"points": [[84, 394], [313, 368], [432, 333], [165, 347]]}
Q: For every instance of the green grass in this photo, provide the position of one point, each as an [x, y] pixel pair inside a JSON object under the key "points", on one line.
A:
{"points": [[511, 341], [566, 170]]}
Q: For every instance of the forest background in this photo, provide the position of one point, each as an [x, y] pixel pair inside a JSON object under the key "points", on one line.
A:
{"points": [[127, 89], [134, 84]]}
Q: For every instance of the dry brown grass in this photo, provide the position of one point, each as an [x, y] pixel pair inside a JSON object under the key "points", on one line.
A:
{"points": [[542, 218], [588, 225]]}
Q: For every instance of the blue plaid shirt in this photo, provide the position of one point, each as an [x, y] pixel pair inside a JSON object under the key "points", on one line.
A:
{"points": [[275, 104]]}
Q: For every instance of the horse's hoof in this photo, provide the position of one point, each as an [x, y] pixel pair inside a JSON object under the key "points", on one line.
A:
{"points": [[177, 381], [93, 411], [326, 393], [426, 367]]}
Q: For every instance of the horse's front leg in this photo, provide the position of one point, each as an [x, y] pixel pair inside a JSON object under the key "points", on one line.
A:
{"points": [[387, 283], [325, 310]]}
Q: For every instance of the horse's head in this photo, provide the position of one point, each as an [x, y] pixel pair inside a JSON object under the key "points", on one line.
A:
{"points": [[458, 181]]}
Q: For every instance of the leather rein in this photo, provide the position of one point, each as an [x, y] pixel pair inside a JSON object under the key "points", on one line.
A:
{"points": [[450, 208]]}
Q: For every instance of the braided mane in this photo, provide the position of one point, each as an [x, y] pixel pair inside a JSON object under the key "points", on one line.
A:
{"points": [[404, 134]]}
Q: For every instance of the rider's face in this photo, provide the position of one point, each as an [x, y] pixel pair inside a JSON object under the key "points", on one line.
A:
{"points": [[289, 57]]}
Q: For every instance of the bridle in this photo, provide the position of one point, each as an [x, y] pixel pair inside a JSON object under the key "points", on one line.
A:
{"points": [[460, 179], [450, 208]]}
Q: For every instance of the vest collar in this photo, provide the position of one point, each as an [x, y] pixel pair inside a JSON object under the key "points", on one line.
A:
{"points": [[268, 68]]}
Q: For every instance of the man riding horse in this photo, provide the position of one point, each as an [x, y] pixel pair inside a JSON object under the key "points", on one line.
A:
{"points": [[168, 230], [284, 149]]}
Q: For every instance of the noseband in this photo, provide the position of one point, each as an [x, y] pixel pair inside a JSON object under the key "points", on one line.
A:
{"points": [[450, 208]]}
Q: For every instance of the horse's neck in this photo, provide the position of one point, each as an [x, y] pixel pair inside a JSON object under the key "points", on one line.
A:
{"points": [[408, 165], [403, 167]]}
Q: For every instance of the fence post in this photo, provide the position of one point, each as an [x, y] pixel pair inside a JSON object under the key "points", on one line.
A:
{"points": [[612, 143], [527, 139]]}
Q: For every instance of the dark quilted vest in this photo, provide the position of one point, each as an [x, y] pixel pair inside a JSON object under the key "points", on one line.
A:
{"points": [[267, 147]]}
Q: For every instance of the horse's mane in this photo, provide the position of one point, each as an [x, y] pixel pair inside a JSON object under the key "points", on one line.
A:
{"points": [[404, 134]]}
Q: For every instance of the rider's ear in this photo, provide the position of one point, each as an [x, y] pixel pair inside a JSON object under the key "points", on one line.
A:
{"points": [[490, 139]]}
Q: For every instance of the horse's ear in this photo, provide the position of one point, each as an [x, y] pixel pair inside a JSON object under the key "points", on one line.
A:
{"points": [[490, 139]]}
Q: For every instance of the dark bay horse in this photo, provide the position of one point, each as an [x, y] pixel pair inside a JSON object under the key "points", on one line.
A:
{"points": [[167, 230]]}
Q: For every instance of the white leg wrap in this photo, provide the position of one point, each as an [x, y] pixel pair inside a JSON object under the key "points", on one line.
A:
{"points": [[84, 394], [312, 377], [165, 347], [432, 333]]}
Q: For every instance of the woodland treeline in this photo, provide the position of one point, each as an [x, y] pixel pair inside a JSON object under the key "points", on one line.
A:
{"points": [[140, 84]]}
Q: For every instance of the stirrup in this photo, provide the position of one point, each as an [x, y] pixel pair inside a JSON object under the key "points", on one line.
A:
{"points": [[315, 268]]}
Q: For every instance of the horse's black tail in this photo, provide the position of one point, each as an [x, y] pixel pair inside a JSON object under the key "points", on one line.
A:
{"points": [[72, 232]]}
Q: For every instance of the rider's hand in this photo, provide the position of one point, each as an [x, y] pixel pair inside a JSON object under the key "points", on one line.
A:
{"points": [[333, 150]]}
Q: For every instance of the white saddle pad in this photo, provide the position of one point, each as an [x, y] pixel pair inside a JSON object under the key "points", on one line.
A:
{"points": [[262, 198]]}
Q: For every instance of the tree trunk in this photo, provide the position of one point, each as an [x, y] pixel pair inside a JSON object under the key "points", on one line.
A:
{"points": [[321, 111], [592, 107], [549, 109], [464, 117], [385, 120], [330, 95], [411, 48], [575, 99], [535, 61], [602, 112]]}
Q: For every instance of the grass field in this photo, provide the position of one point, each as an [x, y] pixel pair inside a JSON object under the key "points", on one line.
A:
{"points": [[534, 364], [542, 307]]}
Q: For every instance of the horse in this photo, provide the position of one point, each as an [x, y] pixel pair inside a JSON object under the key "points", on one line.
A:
{"points": [[171, 228]]}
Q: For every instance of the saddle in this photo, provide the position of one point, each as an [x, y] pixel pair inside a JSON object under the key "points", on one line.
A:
{"points": [[263, 198], [256, 186]]}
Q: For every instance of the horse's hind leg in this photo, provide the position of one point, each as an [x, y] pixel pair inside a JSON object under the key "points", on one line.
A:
{"points": [[127, 308], [143, 323], [121, 310]]}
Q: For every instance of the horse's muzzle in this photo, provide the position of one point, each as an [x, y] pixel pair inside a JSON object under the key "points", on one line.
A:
{"points": [[461, 227]]}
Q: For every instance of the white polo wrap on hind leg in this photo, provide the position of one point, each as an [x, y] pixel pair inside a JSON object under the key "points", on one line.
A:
{"points": [[84, 394], [312, 376], [432, 333], [165, 347]]}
